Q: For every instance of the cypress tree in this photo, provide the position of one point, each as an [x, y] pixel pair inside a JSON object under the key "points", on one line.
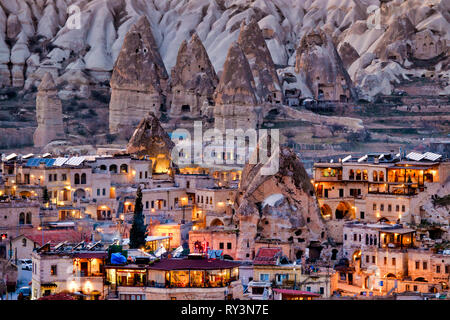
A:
{"points": [[138, 229], [45, 196]]}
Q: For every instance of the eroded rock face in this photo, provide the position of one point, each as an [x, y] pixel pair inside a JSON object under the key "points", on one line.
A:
{"points": [[348, 54], [48, 113], [325, 73], [252, 42], [278, 207], [139, 79], [150, 139], [193, 79], [235, 99]]}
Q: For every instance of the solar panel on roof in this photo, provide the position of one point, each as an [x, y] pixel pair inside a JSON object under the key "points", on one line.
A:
{"points": [[415, 156], [60, 161], [431, 156], [75, 161], [346, 158]]}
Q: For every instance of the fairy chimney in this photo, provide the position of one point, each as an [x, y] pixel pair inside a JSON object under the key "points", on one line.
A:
{"points": [[48, 113], [193, 79], [252, 42], [139, 79], [236, 104]]}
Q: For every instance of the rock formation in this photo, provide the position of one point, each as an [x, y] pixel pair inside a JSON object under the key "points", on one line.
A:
{"points": [[235, 99], [139, 79], [252, 42], [278, 208], [150, 139], [193, 79], [326, 76], [48, 113]]}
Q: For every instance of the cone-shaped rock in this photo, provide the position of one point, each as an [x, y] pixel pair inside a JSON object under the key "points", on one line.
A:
{"points": [[235, 99], [193, 79], [278, 206], [139, 78], [318, 60], [252, 42], [48, 113], [150, 139]]}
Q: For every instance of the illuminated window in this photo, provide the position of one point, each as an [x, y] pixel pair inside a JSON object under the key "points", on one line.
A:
{"points": [[53, 270]]}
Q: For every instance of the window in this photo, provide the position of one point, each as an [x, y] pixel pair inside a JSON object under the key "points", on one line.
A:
{"points": [[322, 291], [381, 207], [140, 174], [425, 265], [50, 177], [355, 237], [447, 269], [385, 261], [55, 177], [417, 265], [308, 289], [22, 218], [221, 246], [229, 245], [367, 259], [64, 177], [83, 178], [438, 269], [341, 193], [104, 191], [362, 214], [389, 207], [28, 218], [374, 206], [146, 174], [146, 204], [77, 178], [345, 236], [397, 208], [98, 192], [373, 259], [53, 270], [403, 208], [24, 242], [264, 277], [393, 261], [407, 288]]}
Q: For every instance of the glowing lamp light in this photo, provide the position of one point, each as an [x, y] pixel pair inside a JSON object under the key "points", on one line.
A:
{"points": [[88, 286]]}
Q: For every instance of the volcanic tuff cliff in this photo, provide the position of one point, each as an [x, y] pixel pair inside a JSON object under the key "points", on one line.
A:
{"points": [[280, 206], [139, 78], [44, 26]]}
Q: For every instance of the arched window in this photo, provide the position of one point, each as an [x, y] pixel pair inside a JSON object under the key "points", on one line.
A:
{"points": [[83, 178], [77, 178], [113, 168], [352, 175], [365, 175], [381, 176], [103, 167], [22, 218], [375, 176], [28, 220], [124, 168]]}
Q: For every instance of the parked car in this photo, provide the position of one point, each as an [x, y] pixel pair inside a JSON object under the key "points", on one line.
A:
{"points": [[26, 292], [27, 266]]}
